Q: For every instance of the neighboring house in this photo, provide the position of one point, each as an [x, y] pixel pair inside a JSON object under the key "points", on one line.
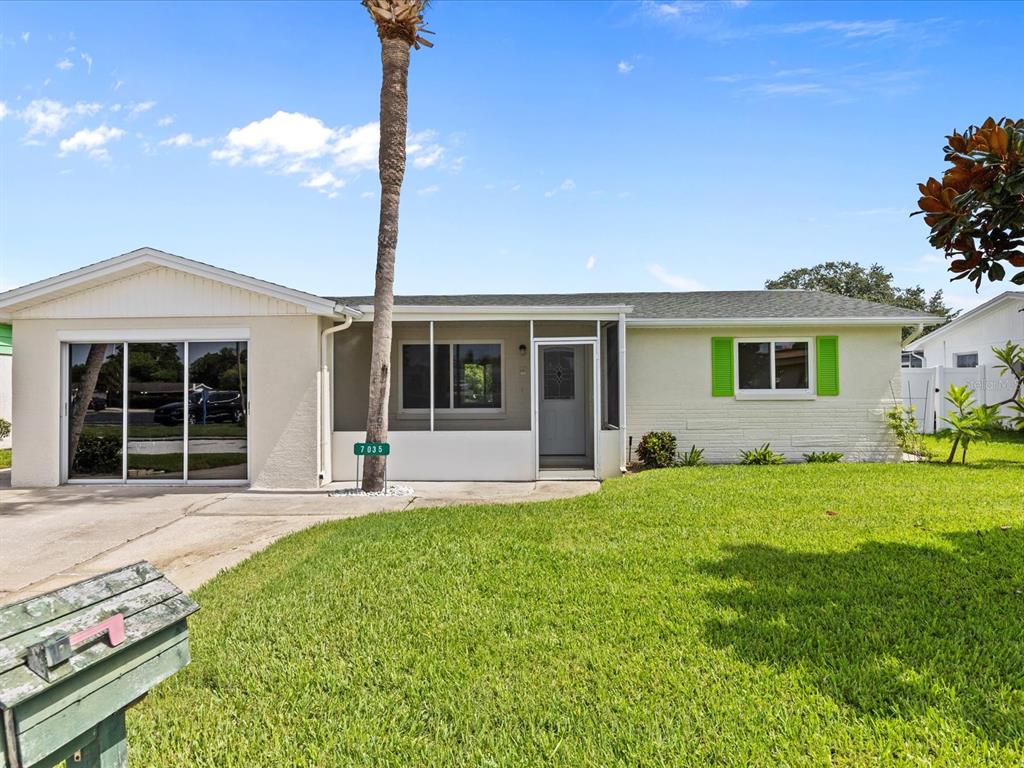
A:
{"points": [[960, 352], [967, 341], [5, 379], [231, 379]]}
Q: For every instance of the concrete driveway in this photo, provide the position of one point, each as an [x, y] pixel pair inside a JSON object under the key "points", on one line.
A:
{"points": [[55, 536]]}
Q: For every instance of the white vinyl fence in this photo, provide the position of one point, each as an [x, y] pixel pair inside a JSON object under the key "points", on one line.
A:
{"points": [[925, 389]]}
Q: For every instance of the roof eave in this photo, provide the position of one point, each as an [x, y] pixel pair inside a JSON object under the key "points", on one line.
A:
{"points": [[705, 322]]}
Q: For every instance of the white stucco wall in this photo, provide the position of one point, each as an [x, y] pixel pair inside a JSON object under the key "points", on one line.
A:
{"points": [[668, 387], [282, 364], [989, 328]]}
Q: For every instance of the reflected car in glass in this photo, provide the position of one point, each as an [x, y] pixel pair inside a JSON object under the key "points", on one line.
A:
{"points": [[204, 408]]}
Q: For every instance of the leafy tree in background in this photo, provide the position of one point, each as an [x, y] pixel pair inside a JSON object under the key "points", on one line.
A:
{"points": [[872, 284], [976, 213]]}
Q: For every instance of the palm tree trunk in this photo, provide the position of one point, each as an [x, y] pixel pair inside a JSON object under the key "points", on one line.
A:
{"points": [[86, 390], [394, 115]]}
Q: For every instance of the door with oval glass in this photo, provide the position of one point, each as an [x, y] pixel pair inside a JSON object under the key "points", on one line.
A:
{"points": [[562, 413]]}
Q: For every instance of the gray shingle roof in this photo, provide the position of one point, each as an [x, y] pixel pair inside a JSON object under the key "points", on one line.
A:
{"points": [[692, 305]]}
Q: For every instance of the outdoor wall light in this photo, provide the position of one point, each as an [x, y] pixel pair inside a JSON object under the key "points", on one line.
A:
{"points": [[522, 349]]}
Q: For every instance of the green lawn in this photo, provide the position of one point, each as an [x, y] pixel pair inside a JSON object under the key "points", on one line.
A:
{"points": [[801, 615]]}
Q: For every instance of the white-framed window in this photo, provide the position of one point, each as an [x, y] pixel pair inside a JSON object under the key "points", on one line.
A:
{"points": [[912, 360], [467, 376], [774, 367], [965, 360]]}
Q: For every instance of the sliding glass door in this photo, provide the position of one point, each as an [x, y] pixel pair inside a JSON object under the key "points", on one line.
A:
{"points": [[95, 411], [217, 439], [157, 411], [156, 396]]}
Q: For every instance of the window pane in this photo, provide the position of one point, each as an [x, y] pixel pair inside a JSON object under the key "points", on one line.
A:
{"points": [[755, 365], [217, 410], [559, 373], [96, 411], [156, 394], [416, 376], [791, 365], [967, 361], [477, 376]]}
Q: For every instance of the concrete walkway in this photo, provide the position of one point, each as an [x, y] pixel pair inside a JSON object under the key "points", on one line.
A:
{"points": [[55, 536]]}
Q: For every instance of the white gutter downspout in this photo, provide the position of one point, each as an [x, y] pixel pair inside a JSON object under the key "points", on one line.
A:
{"points": [[623, 433], [913, 336], [323, 406]]}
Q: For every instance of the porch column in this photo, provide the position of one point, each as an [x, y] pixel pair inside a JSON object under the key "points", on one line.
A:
{"points": [[430, 352], [622, 393]]}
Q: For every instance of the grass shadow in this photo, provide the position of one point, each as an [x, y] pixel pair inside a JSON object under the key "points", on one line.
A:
{"points": [[888, 629]]}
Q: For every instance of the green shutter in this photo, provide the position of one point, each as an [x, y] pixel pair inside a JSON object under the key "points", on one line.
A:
{"points": [[5, 339], [721, 366], [828, 365]]}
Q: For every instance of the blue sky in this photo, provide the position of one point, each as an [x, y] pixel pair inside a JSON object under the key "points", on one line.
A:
{"points": [[553, 146]]}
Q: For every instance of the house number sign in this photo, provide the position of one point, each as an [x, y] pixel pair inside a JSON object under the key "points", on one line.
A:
{"points": [[372, 449]]}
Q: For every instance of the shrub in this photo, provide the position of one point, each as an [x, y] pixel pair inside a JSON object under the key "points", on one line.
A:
{"points": [[970, 422], [693, 457], [761, 456], [824, 457], [98, 454], [903, 424], [657, 450], [5, 429]]}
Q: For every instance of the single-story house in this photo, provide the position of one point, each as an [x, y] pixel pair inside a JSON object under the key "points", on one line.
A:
{"points": [[150, 367], [967, 340]]}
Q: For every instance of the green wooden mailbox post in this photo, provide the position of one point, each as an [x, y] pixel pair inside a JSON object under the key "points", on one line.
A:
{"points": [[72, 661]]}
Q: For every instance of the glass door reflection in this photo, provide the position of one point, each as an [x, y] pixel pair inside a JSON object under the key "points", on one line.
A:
{"points": [[156, 411], [95, 411], [217, 410]]}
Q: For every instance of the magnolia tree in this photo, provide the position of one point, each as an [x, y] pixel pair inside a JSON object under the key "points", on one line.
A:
{"points": [[976, 212]]}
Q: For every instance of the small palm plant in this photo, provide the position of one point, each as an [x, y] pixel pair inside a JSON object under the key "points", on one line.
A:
{"points": [[970, 421]]}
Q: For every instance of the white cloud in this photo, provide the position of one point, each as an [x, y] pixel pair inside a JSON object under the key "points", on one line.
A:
{"points": [[678, 282], [88, 62], [117, 84], [324, 181], [624, 67], [566, 186], [44, 116], [88, 109], [591, 262], [293, 143], [184, 139], [366, 195], [24, 37], [356, 148], [142, 106], [429, 158], [432, 189], [64, 65], [163, 122], [3, 110], [515, 187], [92, 141]]}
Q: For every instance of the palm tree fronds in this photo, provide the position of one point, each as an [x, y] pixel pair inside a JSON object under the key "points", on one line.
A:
{"points": [[400, 18]]}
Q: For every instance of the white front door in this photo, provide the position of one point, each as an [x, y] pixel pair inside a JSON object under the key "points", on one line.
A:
{"points": [[562, 402]]}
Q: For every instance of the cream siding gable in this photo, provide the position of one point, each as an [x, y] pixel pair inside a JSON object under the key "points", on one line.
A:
{"points": [[162, 292]]}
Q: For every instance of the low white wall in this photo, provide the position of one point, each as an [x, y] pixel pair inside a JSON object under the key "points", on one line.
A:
{"points": [[926, 388], [499, 455], [610, 446]]}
